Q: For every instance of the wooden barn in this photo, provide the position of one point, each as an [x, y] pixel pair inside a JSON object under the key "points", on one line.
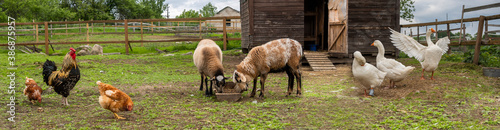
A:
{"points": [[338, 27]]}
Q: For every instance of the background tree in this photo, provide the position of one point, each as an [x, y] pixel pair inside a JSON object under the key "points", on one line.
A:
{"points": [[208, 10], [59, 10], [406, 10], [188, 14], [156, 6]]}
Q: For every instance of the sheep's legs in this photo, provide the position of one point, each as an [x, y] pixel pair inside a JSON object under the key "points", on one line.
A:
{"points": [[254, 87], [201, 84], [211, 89], [262, 82], [206, 87], [422, 78], [290, 82], [298, 76]]}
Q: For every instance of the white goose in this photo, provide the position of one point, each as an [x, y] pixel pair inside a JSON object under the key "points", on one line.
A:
{"points": [[395, 70], [429, 56], [367, 74]]}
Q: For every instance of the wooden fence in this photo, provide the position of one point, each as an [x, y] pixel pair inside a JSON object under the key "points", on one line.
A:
{"points": [[195, 26]]}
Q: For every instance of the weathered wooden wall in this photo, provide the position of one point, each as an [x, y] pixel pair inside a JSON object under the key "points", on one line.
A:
{"points": [[272, 19], [369, 21], [245, 27]]}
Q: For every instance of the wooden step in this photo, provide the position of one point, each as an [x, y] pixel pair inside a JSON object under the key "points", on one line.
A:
{"points": [[319, 61]]}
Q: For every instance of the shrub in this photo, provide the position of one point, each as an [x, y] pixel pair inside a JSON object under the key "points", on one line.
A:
{"points": [[489, 56]]}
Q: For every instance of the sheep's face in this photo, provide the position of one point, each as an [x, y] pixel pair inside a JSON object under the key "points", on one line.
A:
{"points": [[220, 81], [240, 80]]}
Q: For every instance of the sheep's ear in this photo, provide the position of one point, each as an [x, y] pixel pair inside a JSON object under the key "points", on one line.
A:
{"points": [[236, 76]]}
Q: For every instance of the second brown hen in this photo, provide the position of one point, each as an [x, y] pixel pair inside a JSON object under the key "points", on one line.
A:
{"points": [[113, 99]]}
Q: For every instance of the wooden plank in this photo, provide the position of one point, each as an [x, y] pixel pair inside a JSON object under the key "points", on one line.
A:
{"points": [[492, 31], [142, 43], [452, 21], [126, 36], [251, 11], [66, 26], [87, 32], [224, 33], [36, 33], [265, 9], [479, 37], [482, 7], [279, 4], [46, 25]]}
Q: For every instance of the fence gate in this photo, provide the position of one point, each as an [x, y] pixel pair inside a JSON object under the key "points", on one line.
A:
{"points": [[337, 26]]}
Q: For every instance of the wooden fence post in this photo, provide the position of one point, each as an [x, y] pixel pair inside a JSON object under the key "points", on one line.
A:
{"points": [[411, 33], [437, 33], [142, 44], [87, 32], [46, 37], [200, 26], [126, 35], [66, 27], [34, 28], [51, 29], [152, 29], [448, 34], [79, 27], [92, 26], [224, 35], [486, 30], [36, 33], [477, 50], [418, 33], [115, 27]]}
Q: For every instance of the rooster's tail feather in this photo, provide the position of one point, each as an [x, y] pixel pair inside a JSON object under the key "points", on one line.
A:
{"points": [[48, 67]]}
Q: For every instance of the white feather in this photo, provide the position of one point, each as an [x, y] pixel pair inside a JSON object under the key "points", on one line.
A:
{"points": [[109, 92]]}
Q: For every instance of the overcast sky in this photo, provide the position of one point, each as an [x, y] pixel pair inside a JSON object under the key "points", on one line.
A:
{"points": [[426, 10], [177, 6]]}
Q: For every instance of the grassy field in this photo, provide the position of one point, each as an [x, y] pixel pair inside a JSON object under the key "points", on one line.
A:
{"points": [[165, 94]]}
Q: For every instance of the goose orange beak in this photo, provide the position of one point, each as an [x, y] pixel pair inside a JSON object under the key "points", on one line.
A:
{"points": [[373, 44], [432, 30]]}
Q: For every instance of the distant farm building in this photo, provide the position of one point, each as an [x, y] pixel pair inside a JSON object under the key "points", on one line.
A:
{"points": [[231, 24], [338, 27]]}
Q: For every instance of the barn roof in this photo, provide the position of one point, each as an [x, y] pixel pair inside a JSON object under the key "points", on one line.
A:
{"points": [[227, 7]]}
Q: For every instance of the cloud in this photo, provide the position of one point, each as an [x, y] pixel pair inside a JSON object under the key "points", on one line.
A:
{"points": [[177, 6]]}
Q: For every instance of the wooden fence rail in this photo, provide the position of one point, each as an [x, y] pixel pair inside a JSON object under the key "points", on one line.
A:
{"points": [[88, 27]]}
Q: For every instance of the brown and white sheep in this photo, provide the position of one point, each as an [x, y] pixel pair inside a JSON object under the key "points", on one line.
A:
{"points": [[207, 58], [275, 56]]}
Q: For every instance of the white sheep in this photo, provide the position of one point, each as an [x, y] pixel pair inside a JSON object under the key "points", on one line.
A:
{"points": [[208, 59], [275, 56]]}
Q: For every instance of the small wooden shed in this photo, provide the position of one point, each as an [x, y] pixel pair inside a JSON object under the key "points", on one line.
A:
{"points": [[338, 27]]}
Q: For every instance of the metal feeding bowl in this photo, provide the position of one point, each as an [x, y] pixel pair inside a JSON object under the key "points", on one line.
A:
{"points": [[229, 93]]}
